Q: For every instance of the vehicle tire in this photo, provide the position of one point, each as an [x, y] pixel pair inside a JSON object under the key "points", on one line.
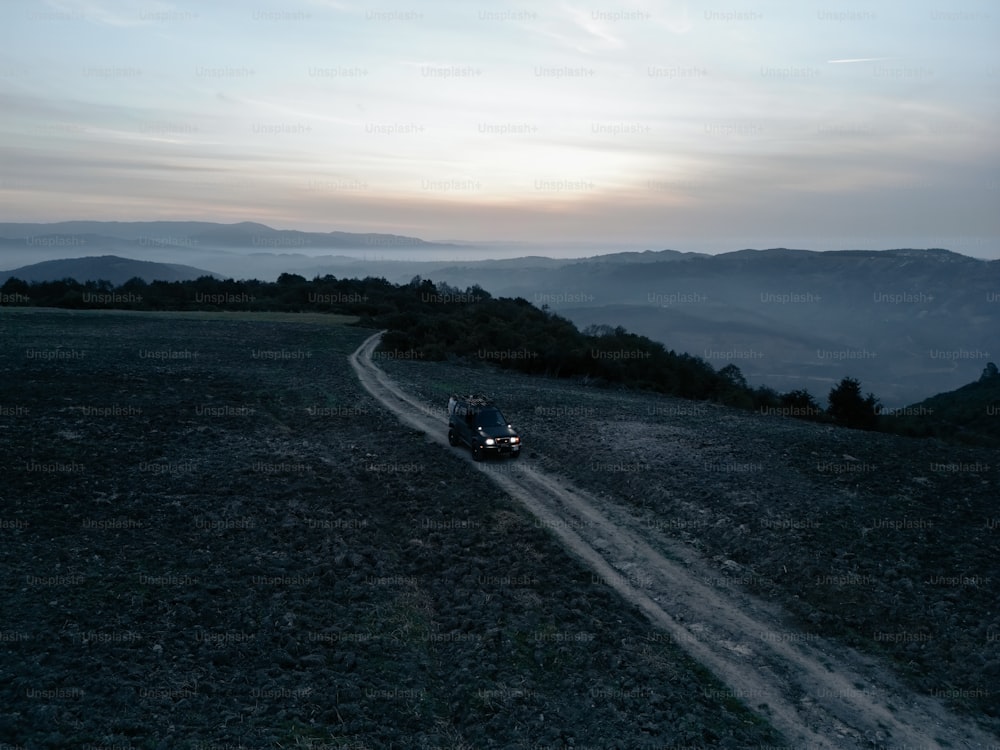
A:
{"points": [[452, 438], [478, 454], [516, 455]]}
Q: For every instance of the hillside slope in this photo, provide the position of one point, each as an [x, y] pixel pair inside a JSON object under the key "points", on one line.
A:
{"points": [[858, 536], [110, 268], [212, 536], [970, 414]]}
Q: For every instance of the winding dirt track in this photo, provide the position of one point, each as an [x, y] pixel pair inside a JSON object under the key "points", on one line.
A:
{"points": [[818, 694]]}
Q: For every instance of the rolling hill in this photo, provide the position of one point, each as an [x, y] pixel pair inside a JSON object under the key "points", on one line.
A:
{"points": [[105, 267], [970, 414], [908, 323]]}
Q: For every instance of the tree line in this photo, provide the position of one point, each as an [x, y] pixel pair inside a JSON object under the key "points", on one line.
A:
{"points": [[440, 322]]}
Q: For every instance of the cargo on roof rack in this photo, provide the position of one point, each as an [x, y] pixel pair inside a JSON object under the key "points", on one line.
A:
{"points": [[473, 399]]}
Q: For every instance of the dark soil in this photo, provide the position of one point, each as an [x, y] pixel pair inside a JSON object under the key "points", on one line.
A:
{"points": [[883, 543], [239, 549]]}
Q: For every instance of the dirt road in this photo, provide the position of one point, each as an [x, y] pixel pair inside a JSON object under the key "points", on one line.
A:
{"points": [[817, 693]]}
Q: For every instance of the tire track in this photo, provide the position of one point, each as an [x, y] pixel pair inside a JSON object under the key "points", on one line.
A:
{"points": [[818, 694]]}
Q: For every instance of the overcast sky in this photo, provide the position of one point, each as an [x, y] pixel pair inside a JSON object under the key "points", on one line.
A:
{"points": [[690, 125]]}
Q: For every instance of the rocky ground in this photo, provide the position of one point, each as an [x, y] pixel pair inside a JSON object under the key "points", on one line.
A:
{"points": [[885, 544], [212, 537]]}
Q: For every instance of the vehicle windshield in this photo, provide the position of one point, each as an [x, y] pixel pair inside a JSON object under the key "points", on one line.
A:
{"points": [[490, 418]]}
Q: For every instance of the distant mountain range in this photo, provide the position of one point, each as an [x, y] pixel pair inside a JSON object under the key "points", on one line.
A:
{"points": [[208, 234], [253, 250], [907, 322], [223, 248]]}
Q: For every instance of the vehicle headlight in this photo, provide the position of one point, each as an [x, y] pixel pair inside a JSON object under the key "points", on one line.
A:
{"points": [[490, 441], [515, 440]]}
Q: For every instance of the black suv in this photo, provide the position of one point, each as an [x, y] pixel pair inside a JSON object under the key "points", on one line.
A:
{"points": [[474, 421]]}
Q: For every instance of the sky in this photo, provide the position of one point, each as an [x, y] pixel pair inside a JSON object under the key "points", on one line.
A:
{"points": [[697, 126]]}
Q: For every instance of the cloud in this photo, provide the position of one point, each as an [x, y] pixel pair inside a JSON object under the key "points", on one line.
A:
{"points": [[578, 30], [334, 5], [673, 17], [859, 60], [645, 104], [120, 13], [594, 28]]}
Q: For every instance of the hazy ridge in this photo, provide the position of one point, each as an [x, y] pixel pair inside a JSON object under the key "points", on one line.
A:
{"points": [[908, 322]]}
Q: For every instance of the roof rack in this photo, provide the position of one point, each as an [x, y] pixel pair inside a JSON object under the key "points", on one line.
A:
{"points": [[475, 399]]}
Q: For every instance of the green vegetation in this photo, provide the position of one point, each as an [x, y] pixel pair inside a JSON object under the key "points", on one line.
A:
{"points": [[431, 322], [970, 414], [437, 322]]}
